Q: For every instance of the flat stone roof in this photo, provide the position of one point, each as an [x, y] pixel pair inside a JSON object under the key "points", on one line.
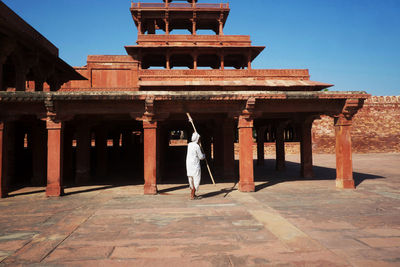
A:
{"points": [[100, 94]]}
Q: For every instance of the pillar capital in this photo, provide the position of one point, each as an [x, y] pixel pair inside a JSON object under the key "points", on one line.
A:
{"points": [[52, 124], [149, 124], [343, 120], [245, 122]]}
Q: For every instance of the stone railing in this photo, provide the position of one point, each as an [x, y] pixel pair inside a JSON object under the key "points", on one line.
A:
{"points": [[140, 5], [227, 40], [155, 74]]}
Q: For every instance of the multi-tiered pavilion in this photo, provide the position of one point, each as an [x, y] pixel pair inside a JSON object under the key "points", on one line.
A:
{"points": [[116, 116]]}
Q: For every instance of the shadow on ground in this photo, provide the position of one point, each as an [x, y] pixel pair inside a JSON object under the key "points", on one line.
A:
{"points": [[267, 173], [176, 175]]}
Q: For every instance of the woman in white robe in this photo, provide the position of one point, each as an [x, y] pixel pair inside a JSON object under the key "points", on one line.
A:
{"points": [[193, 168]]}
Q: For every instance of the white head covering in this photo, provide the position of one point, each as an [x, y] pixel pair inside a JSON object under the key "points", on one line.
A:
{"points": [[195, 137]]}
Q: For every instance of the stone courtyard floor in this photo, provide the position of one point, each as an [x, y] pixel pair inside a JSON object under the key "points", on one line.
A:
{"points": [[287, 222]]}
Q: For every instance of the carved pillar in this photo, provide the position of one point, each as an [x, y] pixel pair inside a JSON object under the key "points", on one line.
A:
{"points": [[68, 172], [150, 157], [260, 145], [83, 145], [218, 147], [206, 143], [344, 164], [195, 57], [168, 59], [166, 20], [194, 24], [162, 148], [101, 152], [39, 153], [54, 158], [1, 75], [229, 148], [246, 183], [222, 57], [3, 189], [249, 60], [8, 155], [306, 149], [280, 148], [221, 24]]}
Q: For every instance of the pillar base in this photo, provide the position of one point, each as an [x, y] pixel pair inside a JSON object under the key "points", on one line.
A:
{"points": [[150, 189], [280, 167], [3, 194], [54, 191], [247, 187], [345, 184], [307, 174], [82, 178]]}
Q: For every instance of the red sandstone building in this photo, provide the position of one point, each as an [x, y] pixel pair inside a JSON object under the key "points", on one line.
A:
{"points": [[115, 116]]}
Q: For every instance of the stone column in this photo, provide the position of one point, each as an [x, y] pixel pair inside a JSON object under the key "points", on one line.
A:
{"points": [[221, 27], [150, 157], [54, 158], [195, 57], [229, 148], [218, 148], [280, 148], [3, 189], [194, 26], [246, 183], [206, 143], [68, 172], [344, 164], [101, 152], [306, 150], [139, 27], [166, 21], [260, 145], [39, 153], [222, 57], [161, 149], [83, 145], [1, 75], [168, 60], [249, 60], [8, 155]]}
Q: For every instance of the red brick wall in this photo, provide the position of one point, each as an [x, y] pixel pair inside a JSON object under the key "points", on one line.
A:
{"points": [[376, 128]]}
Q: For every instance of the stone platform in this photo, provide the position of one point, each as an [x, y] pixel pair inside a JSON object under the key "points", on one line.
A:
{"points": [[287, 222]]}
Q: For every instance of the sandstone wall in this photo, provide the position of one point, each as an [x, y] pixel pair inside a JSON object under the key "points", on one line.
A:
{"points": [[376, 128]]}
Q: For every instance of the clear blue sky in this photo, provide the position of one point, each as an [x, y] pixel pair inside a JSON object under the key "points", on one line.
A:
{"points": [[354, 44]]}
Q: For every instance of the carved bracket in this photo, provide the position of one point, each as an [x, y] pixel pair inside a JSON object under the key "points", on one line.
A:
{"points": [[350, 108], [249, 111]]}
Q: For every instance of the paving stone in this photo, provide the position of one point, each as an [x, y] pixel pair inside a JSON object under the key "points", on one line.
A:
{"points": [[288, 222], [382, 242]]}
